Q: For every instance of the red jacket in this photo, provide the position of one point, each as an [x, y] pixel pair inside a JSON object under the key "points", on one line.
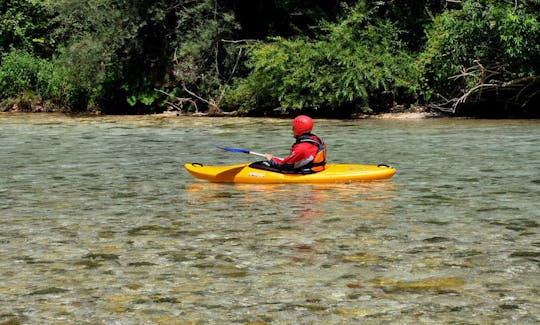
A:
{"points": [[308, 152]]}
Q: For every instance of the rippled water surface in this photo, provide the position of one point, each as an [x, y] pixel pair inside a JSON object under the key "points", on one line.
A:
{"points": [[100, 224]]}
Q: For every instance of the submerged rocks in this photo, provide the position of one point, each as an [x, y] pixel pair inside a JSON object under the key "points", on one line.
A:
{"points": [[442, 284], [48, 291]]}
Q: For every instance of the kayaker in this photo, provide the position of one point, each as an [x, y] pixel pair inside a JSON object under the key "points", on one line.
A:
{"points": [[308, 153]]}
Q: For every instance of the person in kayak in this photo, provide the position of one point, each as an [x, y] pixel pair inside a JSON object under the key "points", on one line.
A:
{"points": [[308, 153]]}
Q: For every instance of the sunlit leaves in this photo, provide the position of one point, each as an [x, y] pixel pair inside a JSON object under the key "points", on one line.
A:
{"points": [[355, 59], [500, 38]]}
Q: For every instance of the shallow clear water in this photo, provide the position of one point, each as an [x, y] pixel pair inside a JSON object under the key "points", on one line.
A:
{"points": [[101, 224]]}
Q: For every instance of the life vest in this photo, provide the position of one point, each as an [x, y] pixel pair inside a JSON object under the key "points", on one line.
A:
{"points": [[319, 161]]}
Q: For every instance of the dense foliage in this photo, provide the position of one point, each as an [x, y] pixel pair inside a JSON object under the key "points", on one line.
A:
{"points": [[484, 57], [357, 62], [477, 57]]}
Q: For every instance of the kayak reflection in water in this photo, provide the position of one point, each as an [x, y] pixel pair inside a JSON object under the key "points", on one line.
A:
{"points": [[308, 153]]}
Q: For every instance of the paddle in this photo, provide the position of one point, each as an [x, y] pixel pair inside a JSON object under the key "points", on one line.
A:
{"points": [[241, 151]]}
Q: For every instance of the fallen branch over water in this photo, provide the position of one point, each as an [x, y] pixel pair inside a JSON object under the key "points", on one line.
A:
{"points": [[517, 94]]}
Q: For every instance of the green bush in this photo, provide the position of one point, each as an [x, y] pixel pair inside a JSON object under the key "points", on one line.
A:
{"points": [[482, 43], [357, 61], [69, 86], [18, 73]]}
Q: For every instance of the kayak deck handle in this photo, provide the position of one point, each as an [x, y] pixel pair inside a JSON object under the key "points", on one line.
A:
{"points": [[197, 164]]}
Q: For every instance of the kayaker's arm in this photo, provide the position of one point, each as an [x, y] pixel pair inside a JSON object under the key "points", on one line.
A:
{"points": [[283, 163]]}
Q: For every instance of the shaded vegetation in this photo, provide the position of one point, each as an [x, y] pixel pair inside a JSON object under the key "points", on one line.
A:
{"points": [[470, 57], [483, 59], [356, 64]]}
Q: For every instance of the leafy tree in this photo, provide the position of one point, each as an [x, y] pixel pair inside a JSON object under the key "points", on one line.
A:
{"points": [[484, 52], [87, 55], [260, 19], [115, 60], [143, 58], [24, 25], [358, 61], [410, 17], [204, 52]]}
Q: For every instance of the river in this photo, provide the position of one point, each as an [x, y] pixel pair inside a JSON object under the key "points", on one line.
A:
{"points": [[102, 225]]}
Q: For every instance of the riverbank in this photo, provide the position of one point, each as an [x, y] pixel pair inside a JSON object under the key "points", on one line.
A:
{"points": [[419, 113], [396, 112], [404, 115], [172, 114]]}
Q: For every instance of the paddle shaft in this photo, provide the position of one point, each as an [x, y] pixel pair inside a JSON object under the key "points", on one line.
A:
{"points": [[257, 153], [242, 151]]}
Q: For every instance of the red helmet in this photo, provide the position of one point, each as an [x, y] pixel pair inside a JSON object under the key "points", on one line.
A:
{"points": [[302, 124]]}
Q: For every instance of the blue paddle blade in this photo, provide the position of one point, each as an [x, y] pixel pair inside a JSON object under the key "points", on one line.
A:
{"points": [[233, 149]]}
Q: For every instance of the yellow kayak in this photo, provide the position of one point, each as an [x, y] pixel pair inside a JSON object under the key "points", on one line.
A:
{"points": [[334, 173]]}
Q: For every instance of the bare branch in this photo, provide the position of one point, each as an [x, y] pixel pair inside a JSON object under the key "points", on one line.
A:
{"points": [[478, 70], [239, 41], [231, 74], [163, 92], [181, 101], [194, 94]]}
